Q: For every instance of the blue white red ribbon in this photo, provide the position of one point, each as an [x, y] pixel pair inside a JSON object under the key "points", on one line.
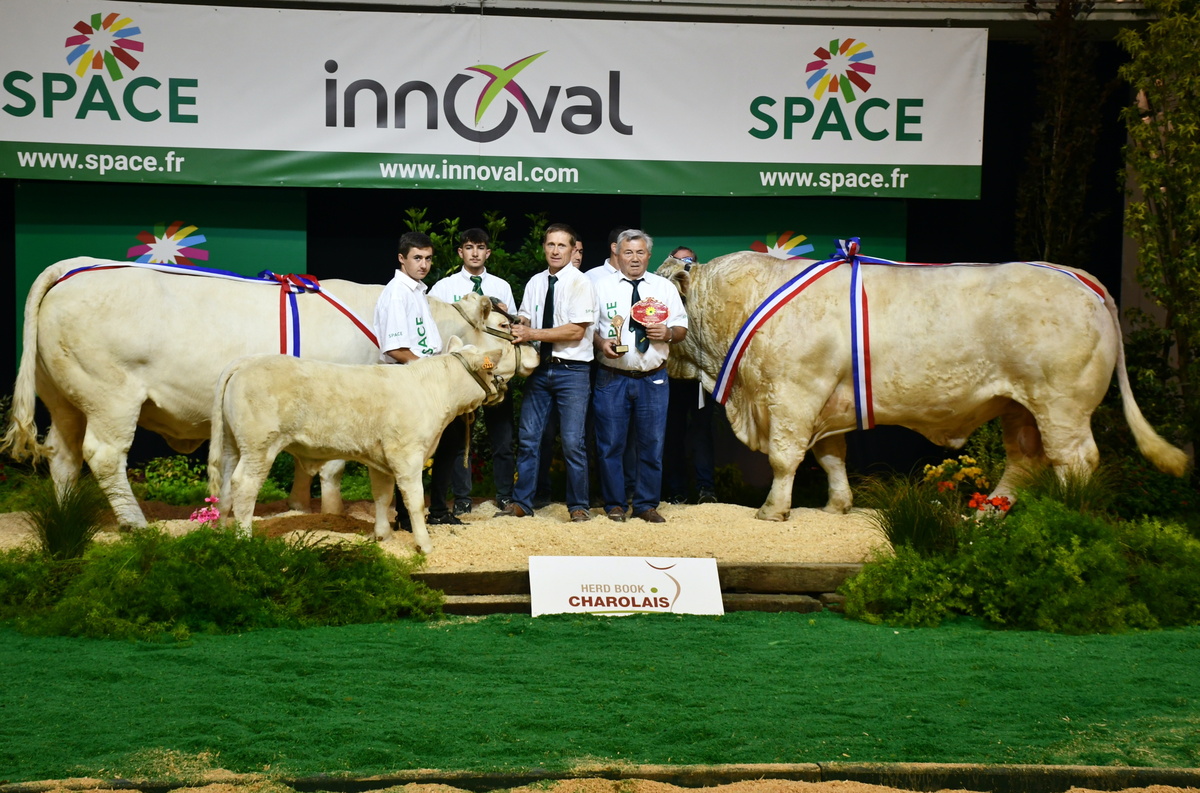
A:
{"points": [[289, 286], [846, 252]]}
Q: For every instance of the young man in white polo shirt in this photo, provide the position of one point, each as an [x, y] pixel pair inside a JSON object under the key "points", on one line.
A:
{"points": [[474, 248], [406, 332]]}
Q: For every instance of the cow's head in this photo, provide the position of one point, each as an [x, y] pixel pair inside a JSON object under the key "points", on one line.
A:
{"points": [[494, 366], [681, 364], [677, 272]]}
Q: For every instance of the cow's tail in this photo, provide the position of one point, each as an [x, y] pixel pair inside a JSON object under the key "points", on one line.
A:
{"points": [[20, 440], [1165, 457]]}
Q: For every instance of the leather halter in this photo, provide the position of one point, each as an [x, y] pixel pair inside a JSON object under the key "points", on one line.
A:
{"points": [[488, 330]]}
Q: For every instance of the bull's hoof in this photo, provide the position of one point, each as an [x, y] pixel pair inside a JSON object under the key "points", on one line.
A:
{"points": [[765, 514], [836, 509]]}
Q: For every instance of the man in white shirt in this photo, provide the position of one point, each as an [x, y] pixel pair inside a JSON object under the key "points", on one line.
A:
{"points": [[557, 310], [638, 316], [474, 249], [406, 332]]}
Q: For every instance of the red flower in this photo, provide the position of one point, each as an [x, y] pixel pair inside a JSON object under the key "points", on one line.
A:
{"points": [[978, 501], [1001, 503], [944, 486]]}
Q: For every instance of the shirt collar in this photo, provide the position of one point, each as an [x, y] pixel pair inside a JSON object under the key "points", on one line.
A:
{"points": [[410, 282]]}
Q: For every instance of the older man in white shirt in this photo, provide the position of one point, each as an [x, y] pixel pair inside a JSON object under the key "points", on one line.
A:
{"points": [[638, 316]]}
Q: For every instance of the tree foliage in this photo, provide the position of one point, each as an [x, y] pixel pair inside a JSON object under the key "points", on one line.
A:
{"points": [[1163, 159], [1054, 222]]}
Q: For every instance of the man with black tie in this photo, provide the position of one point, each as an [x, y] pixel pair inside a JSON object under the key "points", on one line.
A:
{"points": [[557, 311]]}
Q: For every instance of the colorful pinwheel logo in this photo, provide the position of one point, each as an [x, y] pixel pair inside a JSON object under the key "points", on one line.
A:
{"points": [[169, 245], [786, 246], [839, 68], [104, 43]]}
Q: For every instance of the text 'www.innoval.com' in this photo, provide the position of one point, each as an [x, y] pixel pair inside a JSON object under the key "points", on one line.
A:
{"points": [[474, 172]]}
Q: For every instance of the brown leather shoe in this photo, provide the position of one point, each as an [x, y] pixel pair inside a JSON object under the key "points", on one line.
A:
{"points": [[580, 516], [651, 516], [617, 514], [512, 510]]}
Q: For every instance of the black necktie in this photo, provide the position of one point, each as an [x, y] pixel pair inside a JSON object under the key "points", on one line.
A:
{"points": [[548, 311], [640, 340], [478, 281]]}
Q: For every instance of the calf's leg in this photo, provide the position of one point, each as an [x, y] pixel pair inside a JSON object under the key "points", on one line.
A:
{"points": [[248, 476], [331, 487], [414, 500], [382, 485]]}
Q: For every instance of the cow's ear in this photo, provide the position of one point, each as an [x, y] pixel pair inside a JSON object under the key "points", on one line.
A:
{"points": [[455, 344], [682, 278]]}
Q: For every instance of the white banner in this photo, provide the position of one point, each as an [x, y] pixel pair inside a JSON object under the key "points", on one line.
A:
{"points": [[282, 96], [620, 585]]}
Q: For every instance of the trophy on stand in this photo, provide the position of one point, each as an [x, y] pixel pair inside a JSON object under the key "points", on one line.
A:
{"points": [[617, 322]]}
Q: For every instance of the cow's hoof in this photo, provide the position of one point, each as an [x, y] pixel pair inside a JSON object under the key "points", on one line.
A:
{"points": [[836, 509], [765, 514]]}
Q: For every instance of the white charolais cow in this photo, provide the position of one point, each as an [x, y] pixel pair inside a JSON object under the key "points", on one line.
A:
{"points": [[951, 347], [387, 417], [109, 350]]}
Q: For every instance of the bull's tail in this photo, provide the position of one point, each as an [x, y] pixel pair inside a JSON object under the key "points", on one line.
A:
{"points": [[1165, 457], [20, 439]]}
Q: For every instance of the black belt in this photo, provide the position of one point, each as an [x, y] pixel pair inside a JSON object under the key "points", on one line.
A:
{"points": [[554, 360], [633, 373]]}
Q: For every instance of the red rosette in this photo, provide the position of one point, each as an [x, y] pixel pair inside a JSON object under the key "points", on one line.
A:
{"points": [[649, 311]]}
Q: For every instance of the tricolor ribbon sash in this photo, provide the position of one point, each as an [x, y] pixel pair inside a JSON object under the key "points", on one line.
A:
{"points": [[846, 252], [289, 286]]}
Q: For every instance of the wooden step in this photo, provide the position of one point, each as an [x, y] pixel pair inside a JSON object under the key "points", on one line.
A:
{"points": [[799, 588]]}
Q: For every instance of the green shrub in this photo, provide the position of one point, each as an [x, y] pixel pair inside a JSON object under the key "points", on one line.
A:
{"points": [[178, 480], [914, 515], [17, 484], [65, 523], [1048, 567], [1045, 566], [1167, 575], [283, 473], [149, 584], [1090, 494], [356, 482], [31, 581], [908, 588], [1140, 489]]}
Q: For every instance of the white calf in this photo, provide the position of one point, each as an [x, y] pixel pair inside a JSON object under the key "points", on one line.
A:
{"points": [[387, 417]]}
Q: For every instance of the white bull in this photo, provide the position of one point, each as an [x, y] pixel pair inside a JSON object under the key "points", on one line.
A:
{"points": [[950, 348], [111, 350], [387, 417]]}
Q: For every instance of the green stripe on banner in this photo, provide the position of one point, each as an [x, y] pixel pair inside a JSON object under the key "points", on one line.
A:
{"points": [[163, 165]]}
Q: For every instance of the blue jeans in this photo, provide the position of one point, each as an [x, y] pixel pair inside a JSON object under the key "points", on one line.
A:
{"points": [[566, 387], [619, 401], [499, 422], [690, 433]]}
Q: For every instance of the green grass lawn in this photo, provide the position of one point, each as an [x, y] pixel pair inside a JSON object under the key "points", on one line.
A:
{"points": [[509, 692]]}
